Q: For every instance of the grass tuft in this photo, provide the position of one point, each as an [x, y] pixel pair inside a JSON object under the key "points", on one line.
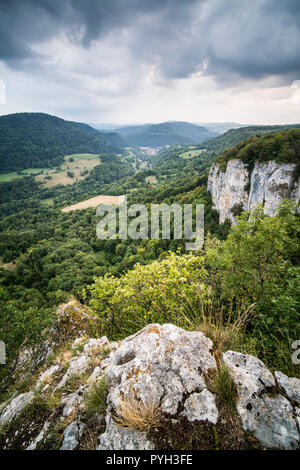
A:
{"points": [[95, 399], [134, 414], [222, 385]]}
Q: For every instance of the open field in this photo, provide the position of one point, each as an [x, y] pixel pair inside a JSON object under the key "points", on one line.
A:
{"points": [[47, 202], [85, 156], [191, 153], [28, 171], [94, 202], [151, 179], [76, 164], [8, 266]]}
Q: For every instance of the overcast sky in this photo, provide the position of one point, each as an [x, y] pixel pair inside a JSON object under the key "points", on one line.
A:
{"points": [[126, 61]]}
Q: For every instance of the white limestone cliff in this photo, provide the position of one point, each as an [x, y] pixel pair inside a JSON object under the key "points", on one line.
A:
{"points": [[268, 184]]}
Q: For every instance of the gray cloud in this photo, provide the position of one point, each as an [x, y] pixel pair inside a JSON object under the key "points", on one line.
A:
{"points": [[88, 55], [249, 39]]}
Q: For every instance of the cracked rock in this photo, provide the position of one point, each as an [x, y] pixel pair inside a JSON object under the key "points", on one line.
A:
{"points": [[72, 436], [15, 407], [116, 438], [290, 385], [269, 418], [159, 364], [201, 407]]}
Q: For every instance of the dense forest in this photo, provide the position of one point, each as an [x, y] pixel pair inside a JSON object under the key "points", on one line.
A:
{"points": [[37, 140], [234, 136], [281, 146]]}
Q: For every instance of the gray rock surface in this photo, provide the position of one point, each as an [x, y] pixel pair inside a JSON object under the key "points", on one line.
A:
{"points": [[262, 409], [251, 376], [271, 420], [72, 435], [80, 364], [72, 402], [290, 385], [40, 437], [201, 407], [160, 364], [116, 438], [268, 184], [15, 407]]}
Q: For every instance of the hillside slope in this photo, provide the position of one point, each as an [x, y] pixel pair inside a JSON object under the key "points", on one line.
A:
{"points": [[234, 136], [166, 133], [37, 140], [113, 137]]}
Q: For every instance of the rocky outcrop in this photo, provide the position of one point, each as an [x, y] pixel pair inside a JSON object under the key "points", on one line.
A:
{"points": [[13, 409], [72, 436], [161, 377], [263, 410], [116, 438], [237, 187]]}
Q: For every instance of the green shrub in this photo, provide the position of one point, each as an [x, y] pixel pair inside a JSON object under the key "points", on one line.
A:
{"points": [[165, 291]]}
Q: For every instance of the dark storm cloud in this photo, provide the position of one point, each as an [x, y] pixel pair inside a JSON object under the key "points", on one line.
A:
{"points": [[250, 39], [23, 24]]}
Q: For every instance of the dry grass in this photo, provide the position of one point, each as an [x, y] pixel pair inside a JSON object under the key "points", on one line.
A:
{"points": [[79, 163], [134, 414], [98, 354], [222, 325], [9, 266], [61, 354], [94, 202]]}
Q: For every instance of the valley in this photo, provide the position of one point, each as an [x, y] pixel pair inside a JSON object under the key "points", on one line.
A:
{"points": [[149, 230]]}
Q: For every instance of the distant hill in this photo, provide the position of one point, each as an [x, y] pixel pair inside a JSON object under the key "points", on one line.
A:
{"points": [[221, 127], [234, 136], [166, 133], [113, 137], [38, 140]]}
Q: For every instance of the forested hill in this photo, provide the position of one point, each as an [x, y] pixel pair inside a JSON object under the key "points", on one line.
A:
{"points": [[279, 146], [166, 133], [113, 137], [37, 140], [234, 136]]}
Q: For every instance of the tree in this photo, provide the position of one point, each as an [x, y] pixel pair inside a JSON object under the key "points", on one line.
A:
{"points": [[255, 263]]}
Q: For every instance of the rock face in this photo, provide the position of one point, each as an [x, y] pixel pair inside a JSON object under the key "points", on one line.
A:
{"points": [[72, 436], [268, 184], [160, 363], [15, 407], [262, 409], [116, 438], [161, 368]]}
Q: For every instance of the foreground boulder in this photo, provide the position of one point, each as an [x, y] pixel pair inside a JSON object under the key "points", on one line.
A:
{"points": [[157, 392], [263, 410]]}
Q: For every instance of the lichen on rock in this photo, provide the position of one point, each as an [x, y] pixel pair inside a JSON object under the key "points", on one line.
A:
{"points": [[160, 374]]}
